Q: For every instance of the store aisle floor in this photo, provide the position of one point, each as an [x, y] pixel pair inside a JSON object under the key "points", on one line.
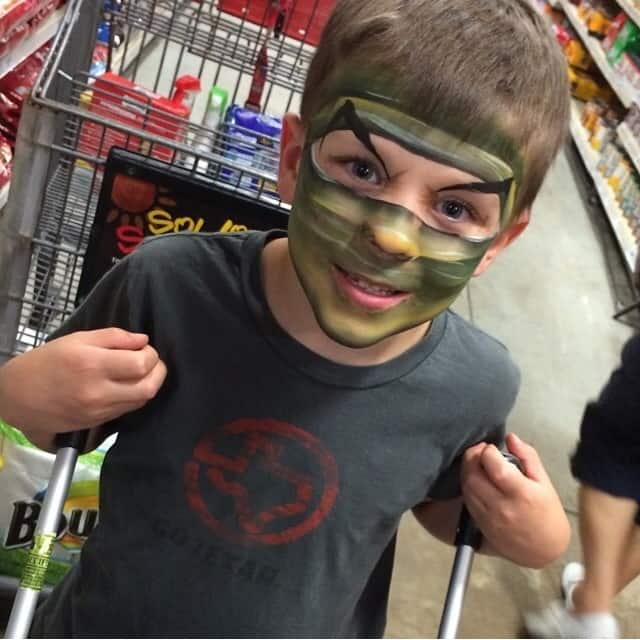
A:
{"points": [[549, 300]]}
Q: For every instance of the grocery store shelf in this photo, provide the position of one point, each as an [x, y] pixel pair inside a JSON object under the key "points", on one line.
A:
{"points": [[630, 143], [45, 31], [623, 89], [619, 224], [631, 9]]}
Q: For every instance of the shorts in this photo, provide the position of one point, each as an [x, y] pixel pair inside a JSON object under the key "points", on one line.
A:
{"points": [[608, 454], [601, 461]]}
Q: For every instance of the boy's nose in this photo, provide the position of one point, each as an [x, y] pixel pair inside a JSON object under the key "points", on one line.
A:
{"points": [[393, 242]]}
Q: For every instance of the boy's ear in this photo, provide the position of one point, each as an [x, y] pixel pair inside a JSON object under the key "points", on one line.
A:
{"points": [[291, 145], [503, 240]]}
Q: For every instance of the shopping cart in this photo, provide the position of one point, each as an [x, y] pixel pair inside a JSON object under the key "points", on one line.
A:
{"points": [[241, 45]]}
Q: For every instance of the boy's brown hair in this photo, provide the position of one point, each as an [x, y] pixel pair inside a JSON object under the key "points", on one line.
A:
{"points": [[477, 61]]}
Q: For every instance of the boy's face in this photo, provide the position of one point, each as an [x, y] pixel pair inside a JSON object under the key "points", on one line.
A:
{"points": [[390, 218]]}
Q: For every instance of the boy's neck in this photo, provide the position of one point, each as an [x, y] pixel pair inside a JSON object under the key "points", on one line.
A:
{"points": [[292, 311]]}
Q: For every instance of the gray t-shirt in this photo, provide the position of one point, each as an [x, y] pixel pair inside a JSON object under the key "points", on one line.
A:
{"points": [[259, 493]]}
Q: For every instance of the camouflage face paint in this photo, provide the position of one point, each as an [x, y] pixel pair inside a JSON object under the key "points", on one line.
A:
{"points": [[371, 268]]}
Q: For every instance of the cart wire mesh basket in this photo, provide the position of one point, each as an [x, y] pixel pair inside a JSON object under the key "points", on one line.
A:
{"points": [[257, 50]]}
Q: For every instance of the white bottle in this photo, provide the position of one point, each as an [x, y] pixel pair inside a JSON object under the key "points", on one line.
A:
{"points": [[213, 115]]}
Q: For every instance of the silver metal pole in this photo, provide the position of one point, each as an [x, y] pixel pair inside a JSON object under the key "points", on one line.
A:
{"points": [[24, 605], [455, 593], [467, 541]]}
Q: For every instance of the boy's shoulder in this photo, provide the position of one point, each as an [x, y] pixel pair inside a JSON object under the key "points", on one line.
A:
{"points": [[188, 245], [199, 257], [478, 353]]}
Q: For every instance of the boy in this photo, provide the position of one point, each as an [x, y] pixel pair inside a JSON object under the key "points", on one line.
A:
{"points": [[304, 391]]}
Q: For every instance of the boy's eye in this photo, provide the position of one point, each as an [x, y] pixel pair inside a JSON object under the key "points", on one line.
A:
{"points": [[453, 209], [364, 171]]}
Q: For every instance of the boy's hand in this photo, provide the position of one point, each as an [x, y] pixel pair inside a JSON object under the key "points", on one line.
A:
{"points": [[519, 512], [79, 381]]}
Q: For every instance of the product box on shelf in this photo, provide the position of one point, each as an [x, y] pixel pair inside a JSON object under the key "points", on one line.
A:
{"points": [[19, 18], [6, 159], [116, 98], [577, 55], [15, 86], [251, 140], [587, 87], [616, 26], [628, 39], [628, 66], [16, 13], [633, 120]]}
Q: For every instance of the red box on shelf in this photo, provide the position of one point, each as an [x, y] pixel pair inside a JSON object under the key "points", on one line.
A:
{"points": [[117, 98], [303, 19]]}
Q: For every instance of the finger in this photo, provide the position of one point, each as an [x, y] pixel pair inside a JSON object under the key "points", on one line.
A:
{"points": [[114, 338], [475, 450], [471, 460], [124, 365], [502, 474], [477, 507], [481, 488], [530, 462], [139, 391]]}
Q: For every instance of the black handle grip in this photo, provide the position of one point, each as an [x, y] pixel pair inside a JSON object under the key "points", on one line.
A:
{"points": [[467, 533], [75, 439], [509, 457]]}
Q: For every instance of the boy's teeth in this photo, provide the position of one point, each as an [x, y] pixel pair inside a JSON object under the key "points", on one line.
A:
{"points": [[367, 286]]}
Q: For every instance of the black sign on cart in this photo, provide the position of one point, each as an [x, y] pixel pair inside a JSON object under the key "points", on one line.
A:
{"points": [[142, 196]]}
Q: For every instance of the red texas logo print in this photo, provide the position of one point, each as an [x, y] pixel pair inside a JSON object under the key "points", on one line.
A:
{"points": [[261, 481]]}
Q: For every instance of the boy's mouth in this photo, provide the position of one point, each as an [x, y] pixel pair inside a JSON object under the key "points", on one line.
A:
{"points": [[367, 293]]}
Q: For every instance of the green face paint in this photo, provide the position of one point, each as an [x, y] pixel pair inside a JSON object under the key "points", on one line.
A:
{"points": [[371, 268]]}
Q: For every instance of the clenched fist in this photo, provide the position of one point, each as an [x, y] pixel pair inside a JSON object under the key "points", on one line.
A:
{"points": [[519, 512], [79, 381]]}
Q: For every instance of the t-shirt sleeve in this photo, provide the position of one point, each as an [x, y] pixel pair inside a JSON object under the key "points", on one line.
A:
{"points": [[117, 300], [491, 392], [447, 485]]}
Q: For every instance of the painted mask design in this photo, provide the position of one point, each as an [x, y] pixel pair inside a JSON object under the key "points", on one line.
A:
{"points": [[370, 267]]}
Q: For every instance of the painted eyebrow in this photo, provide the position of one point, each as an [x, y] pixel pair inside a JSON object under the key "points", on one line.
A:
{"points": [[500, 188], [357, 127]]}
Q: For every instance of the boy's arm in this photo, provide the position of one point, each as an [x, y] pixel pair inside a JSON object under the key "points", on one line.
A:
{"points": [[78, 381], [519, 513], [86, 375]]}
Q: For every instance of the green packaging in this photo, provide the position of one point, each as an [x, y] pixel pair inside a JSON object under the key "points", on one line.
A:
{"points": [[628, 40]]}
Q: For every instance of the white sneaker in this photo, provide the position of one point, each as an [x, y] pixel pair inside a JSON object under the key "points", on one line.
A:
{"points": [[572, 575], [556, 622]]}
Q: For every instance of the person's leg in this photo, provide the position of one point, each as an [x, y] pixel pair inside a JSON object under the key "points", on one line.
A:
{"points": [[610, 548], [630, 569], [610, 538]]}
